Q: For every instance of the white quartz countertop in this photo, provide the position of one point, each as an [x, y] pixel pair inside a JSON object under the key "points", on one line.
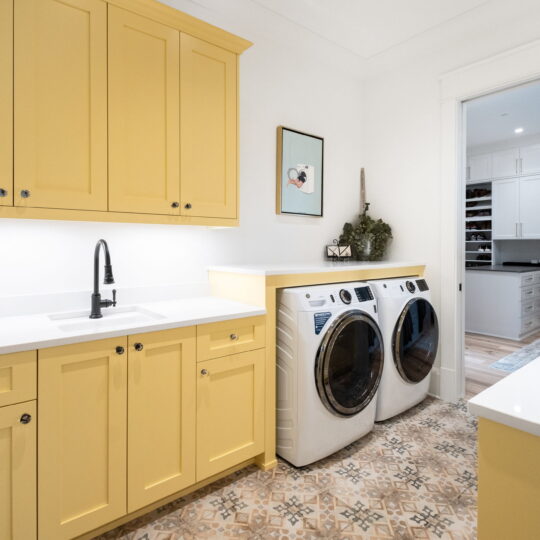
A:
{"points": [[308, 268], [28, 332], [513, 401]]}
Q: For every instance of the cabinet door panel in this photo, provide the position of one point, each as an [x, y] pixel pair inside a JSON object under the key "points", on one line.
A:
{"points": [[506, 163], [143, 115], [161, 415], [530, 159], [208, 130], [479, 167], [61, 103], [529, 202], [230, 411], [505, 210], [18, 472], [82, 437], [6, 102]]}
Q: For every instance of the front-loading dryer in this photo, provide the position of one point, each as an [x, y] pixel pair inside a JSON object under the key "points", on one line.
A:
{"points": [[329, 364], [411, 337]]}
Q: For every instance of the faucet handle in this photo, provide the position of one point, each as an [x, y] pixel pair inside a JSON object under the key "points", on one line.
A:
{"points": [[114, 297]]}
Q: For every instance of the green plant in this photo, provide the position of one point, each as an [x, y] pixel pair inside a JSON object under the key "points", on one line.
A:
{"points": [[367, 237]]}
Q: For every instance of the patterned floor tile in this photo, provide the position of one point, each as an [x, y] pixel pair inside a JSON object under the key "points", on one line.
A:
{"points": [[413, 477]]}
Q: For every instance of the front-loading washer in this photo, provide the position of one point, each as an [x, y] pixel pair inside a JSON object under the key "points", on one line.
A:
{"points": [[411, 337], [329, 364]]}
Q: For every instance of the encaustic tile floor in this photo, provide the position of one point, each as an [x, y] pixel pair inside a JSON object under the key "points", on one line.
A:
{"points": [[412, 477]]}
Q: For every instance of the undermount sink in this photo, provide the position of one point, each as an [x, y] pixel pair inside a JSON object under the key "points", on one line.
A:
{"points": [[112, 318]]}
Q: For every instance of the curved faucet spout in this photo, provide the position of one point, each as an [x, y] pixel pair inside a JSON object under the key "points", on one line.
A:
{"points": [[108, 279]]}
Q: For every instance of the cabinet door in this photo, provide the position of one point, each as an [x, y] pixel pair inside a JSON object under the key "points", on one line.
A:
{"points": [[208, 129], [505, 200], [230, 411], [529, 202], [506, 163], [6, 102], [143, 115], [61, 104], [18, 472], [82, 406], [530, 159], [161, 415], [479, 167]]}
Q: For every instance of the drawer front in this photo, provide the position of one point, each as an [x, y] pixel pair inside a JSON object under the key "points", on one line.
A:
{"points": [[230, 337], [529, 324], [527, 293], [18, 377], [527, 308], [536, 291], [536, 277], [528, 279]]}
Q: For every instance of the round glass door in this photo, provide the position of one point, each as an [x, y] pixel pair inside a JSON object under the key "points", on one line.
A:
{"points": [[415, 340], [349, 363]]}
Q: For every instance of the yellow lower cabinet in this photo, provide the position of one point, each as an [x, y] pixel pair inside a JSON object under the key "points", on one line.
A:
{"points": [[18, 471], [161, 415], [230, 411], [82, 405]]}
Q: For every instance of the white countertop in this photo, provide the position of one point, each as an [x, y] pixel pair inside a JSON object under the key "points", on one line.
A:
{"points": [[28, 332], [308, 268], [513, 401]]}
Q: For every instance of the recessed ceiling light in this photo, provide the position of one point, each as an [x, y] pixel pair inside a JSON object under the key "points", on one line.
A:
{"points": [[518, 130]]}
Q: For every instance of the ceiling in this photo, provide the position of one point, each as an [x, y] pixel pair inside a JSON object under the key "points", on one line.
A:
{"points": [[367, 27], [494, 117]]}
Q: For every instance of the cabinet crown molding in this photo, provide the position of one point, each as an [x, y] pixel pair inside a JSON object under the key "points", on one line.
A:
{"points": [[185, 23]]}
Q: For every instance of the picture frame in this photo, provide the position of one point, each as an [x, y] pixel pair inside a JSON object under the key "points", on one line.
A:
{"points": [[299, 173]]}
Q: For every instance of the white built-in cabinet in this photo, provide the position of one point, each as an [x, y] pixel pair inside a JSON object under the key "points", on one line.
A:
{"points": [[515, 208], [479, 167], [530, 159], [507, 163]]}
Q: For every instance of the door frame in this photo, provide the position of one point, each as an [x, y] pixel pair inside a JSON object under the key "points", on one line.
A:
{"points": [[511, 68]]}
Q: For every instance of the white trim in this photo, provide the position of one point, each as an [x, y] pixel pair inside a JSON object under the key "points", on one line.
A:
{"points": [[511, 68]]}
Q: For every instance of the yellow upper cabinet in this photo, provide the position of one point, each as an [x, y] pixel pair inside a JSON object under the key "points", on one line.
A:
{"points": [[208, 124], [6, 102], [60, 115], [117, 110], [143, 115]]}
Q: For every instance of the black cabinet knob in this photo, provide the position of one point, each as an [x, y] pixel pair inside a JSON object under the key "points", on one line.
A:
{"points": [[138, 346], [187, 205], [25, 418], [175, 204], [120, 350], [3, 192], [25, 193]]}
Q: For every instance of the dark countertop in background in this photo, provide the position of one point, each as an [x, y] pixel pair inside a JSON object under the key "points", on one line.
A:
{"points": [[501, 268]]}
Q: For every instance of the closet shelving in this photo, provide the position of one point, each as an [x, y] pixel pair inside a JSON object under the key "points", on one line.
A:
{"points": [[478, 225]]}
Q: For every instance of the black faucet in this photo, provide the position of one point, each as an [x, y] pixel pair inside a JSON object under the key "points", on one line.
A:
{"points": [[97, 302]]}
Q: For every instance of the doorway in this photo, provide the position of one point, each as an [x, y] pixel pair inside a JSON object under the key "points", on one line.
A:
{"points": [[501, 234]]}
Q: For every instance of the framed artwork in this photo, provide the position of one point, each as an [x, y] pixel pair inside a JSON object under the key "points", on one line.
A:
{"points": [[300, 159]]}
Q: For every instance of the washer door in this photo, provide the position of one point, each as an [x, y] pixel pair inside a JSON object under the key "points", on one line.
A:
{"points": [[415, 340], [349, 363]]}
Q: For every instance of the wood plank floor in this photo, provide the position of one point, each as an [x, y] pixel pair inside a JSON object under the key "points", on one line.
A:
{"points": [[480, 352]]}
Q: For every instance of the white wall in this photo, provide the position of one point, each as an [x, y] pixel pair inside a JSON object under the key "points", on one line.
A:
{"points": [[288, 78], [403, 122]]}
